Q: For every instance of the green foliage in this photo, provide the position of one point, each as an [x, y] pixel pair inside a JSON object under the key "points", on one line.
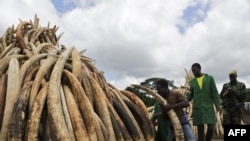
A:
{"points": [[147, 99], [149, 83], [248, 95]]}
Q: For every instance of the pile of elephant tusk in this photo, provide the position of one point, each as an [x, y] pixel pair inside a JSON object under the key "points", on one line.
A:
{"points": [[51, 92]]}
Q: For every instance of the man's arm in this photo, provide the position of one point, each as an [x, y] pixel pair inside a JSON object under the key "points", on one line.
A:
{"points": [[240, 94], [182, 102], [214, 91], [190, 95], [224, 91]]}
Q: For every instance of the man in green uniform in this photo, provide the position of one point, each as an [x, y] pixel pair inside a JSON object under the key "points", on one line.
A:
{"points": [[233, 95], [204, 93]]}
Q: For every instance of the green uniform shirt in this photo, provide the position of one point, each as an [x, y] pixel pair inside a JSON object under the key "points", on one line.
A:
{"points": [[204, 100], [240, 95]]}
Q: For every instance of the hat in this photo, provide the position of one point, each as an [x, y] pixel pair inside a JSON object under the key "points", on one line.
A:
{"points": [[233, 72]]}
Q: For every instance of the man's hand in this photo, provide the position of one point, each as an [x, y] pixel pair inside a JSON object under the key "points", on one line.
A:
{"points": [[155, 116], [167, 107], [231, 90]]}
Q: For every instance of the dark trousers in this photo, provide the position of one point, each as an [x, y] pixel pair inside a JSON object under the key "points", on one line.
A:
{"points": [[232, 117], [209, 135]]}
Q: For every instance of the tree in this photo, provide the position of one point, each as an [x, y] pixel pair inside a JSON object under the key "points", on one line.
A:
{"points": [[248, 95], [149, 83], [147, 99]]}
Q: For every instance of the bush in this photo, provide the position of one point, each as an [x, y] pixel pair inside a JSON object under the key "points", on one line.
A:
{"points": [[248, 95]]}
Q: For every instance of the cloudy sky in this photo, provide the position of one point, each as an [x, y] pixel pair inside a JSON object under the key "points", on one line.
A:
{"points": [[132, 40]]}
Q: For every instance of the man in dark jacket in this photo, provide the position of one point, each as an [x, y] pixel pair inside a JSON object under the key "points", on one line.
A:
{"points": [[204, 93], [233, 95]]}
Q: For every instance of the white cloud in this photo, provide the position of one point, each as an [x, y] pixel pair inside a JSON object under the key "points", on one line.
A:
{"points": [[132, 40]]}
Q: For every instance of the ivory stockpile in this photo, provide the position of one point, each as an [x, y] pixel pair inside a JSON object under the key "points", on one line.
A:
{"points": [[52, 92]]}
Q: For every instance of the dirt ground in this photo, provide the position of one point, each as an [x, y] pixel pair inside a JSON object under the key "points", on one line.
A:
{"points": [[218, 138]]}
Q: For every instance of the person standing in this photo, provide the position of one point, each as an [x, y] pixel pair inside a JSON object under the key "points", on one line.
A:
{"points": [[177, 102], [204, 93], [233, 95]]}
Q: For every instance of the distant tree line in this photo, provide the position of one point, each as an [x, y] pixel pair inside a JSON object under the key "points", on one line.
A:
{"points": [[149, 83], [248, 95]]}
